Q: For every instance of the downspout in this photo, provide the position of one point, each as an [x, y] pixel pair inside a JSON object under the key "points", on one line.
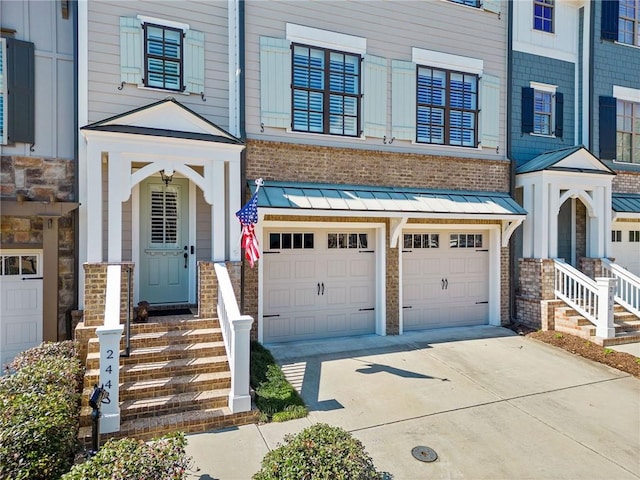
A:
{"points": [[76, 156], [512, 164], [590, 115]]}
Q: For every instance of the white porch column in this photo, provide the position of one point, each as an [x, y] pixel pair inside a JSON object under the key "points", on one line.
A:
{"points": [[218, 217], [94, 204], [235, 204], [117, 183], [540, 222], [495, 286], [606, 290], [597, 233], [552, 215], [528, 224], [239, 397]]}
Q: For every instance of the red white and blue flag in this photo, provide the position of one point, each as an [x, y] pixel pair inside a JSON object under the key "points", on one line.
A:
{"points": [[248, 216]]}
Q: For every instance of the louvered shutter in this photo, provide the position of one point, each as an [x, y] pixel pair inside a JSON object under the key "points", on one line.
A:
{"points": [[559, 131], [607, 128], [403, 100], [527, 109], [490, 111], [492, 6], [131, 51], [194, 61], [164, 217], [20, 91], [275, 82], [375, 96], [609, 19]]}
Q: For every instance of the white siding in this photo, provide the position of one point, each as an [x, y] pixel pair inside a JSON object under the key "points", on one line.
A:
{"points": [[52, 36], [105, 100], [391, 29]]}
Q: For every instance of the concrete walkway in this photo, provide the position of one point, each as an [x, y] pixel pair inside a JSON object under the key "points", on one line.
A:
{"points": [[492, 404]]}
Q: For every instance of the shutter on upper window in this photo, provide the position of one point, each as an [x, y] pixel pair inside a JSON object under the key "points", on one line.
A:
{"points": [[375, 96], [527, 109], [403, 100], [131, 50], [2, 92], [275, 82], [194, 61], [492, 6], [490, 111], [20, 91], [607, 128], [609, 19], [559, 131]]}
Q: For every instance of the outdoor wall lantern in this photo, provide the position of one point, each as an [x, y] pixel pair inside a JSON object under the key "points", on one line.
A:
{"points": [[167, 176]]}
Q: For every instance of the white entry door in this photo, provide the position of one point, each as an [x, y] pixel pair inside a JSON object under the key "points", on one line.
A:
{"points": [[21, 302], [164, 241], [318, 284], [445, 279]]}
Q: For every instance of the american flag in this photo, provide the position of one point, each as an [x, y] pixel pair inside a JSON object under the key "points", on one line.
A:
{"points": [[248, 216]]}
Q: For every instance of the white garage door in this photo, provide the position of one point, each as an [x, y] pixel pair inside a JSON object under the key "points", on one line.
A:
{"points": [[445, 279], [21, 302], [318, 284], [625, 245]]}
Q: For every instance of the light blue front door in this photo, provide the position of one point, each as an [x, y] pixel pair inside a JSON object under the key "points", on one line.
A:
{"points": [[164, 241]]}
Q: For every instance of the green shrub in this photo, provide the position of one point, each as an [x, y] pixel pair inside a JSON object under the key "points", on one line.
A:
{"points": [[290, 412], [39, 412], [261, 358], [128, 459], [318, 452]]}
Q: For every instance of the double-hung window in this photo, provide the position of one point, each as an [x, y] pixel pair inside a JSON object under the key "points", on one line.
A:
{"points": [[163, 57], [542, 110], [628, 22], [447, 107], [543, 15], [326, 92], [628, 132]]}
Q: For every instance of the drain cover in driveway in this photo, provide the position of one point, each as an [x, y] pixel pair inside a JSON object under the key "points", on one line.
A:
{"points": [[424, 454]]}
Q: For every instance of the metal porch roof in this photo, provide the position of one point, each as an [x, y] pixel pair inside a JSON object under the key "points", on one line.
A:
{"points": [[362, 198], [625, 202]]}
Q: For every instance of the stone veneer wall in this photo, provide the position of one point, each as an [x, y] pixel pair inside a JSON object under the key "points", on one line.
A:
{"points": [[41, 179]]}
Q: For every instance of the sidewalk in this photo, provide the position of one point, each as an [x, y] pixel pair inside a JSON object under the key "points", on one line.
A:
{"points": [[492, 404]]}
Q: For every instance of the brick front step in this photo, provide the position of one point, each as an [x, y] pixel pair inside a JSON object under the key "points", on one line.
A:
{"points": [[188, 422], [173, 385], [156, 338]]}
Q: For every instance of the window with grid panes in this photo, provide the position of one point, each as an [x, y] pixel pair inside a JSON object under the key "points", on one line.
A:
{"points": [[543, 112], [628, 132], [469, 3], [628, 20], [326, 91], [163, 57], [543, 15], [447, 107]]}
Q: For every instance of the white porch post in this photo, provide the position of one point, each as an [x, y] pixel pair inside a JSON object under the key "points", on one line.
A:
{"points": [[94, 204], [218, 219], [239, 397], [540, 222], [117, 182], [596, 225], [527, 227], [608, 209], [606, 291], [552, 215], [235, 203]]}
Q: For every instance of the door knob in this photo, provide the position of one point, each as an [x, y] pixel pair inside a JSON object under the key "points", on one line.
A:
{"points": [[186, 257]]}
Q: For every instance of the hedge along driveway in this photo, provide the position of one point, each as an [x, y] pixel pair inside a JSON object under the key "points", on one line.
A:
{"points": [[491, 404]]}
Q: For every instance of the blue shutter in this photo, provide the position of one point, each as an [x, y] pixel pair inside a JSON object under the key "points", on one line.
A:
{"points": [[609, 19], [490, 111], [20, 91], [527, 109], [275, 82], [559, 131], [2, 94], [131, 51], [375, 96], [607, 128], [194, 61], [403, 100], [492, 6]]}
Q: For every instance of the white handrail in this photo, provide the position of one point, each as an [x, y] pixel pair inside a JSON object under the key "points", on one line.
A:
{"points": [[236, 331], [628, 287], [591, 299]]}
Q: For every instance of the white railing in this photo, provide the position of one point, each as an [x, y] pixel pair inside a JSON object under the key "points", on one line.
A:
{"points": [[236, 331], [591, 299], [628, 286]]}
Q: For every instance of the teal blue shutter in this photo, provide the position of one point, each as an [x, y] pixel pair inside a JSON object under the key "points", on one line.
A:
{"points": [[275, 82], [20, 91], [194, 61], [2, 102], [375, 96], [559, 130], [131, 50], [527, 105], [492, 6], [609, 19], [607, 128], [403, 100], [490, 111]]}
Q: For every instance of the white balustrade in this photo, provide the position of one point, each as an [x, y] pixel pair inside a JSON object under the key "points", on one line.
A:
{"points": [[628, 286]]}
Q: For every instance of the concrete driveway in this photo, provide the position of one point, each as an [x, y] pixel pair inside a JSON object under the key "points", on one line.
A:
{"points": [[493, 405]]}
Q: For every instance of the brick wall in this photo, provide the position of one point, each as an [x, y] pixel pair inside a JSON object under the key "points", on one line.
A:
{"points": [[95, 292], [581, 229], [207, 290], [535, 289], [626, 182]]}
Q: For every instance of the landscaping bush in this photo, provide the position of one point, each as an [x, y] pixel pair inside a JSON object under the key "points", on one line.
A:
{"points": [[129, 459], [39, 412], [318, 452], [275, 397]]}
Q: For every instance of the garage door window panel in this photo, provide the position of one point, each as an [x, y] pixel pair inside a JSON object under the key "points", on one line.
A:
{"points": [[20, 265], [287, 241], [347, 240]]}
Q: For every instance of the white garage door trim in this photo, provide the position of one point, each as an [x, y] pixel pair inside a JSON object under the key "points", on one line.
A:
{"points": [[21, 290], [492, 243], [380, 265]]}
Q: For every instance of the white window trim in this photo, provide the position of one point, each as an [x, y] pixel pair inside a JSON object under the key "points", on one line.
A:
{"points": [[447, 61], [626, 94], [165, 23], [3, 90], [326, 39], [545, 87]]}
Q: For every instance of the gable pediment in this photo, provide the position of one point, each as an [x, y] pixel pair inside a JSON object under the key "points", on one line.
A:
{"points": [[572, 159]]}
